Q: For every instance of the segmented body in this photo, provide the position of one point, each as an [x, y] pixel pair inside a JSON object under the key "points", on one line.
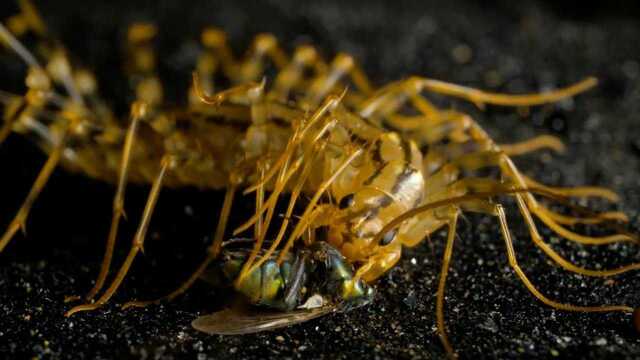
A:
{"points": [[383, 168]]}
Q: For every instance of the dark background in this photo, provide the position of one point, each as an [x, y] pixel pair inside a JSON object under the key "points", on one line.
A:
{"points": [[515, 47]]}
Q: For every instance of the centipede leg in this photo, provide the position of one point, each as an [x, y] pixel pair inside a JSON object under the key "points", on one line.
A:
{"points": [[578, 191], [446, 259], [138, 241], [511, 171], [43, 177], [480, 98], [481, 159], [12, 115], [212, 253], [138, 111], [534, 144], [565, 264], [499, 212], [323, 84], [292, 76], [251, 67]]}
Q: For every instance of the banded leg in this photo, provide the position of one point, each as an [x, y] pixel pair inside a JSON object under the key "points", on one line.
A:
{"points": [[386, 101], [484, 185], [15, 105], [509, 169], [292, 76], [252, 66], [499, 212], [480, 98], [57, 65], [138, 112], [167, 164], [295, 193], [244, 92], [577, 191], [565, 264], [19, 221], [212, 254], [446, 259], [323, 84], [534, 144], [141, 63]]}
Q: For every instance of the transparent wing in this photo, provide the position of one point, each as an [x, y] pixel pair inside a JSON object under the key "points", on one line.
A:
{"points": [[239, 321]]}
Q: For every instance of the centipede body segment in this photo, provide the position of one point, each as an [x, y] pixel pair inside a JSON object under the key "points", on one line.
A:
{"points": [[363, 171]]}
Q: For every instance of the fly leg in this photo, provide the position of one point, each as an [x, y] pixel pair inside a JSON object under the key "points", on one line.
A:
{"points": [[168, 163]]}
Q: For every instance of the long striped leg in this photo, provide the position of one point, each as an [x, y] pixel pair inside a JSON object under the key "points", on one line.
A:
{"points": [[446, 259], [43, 177], [252, 66], [511, 171], [141, 63], [534, 144], [212, 253], [480, 98], [499, 212], [138, 240], [324, 84], [15, 105], [138, 112], [292, 76]]}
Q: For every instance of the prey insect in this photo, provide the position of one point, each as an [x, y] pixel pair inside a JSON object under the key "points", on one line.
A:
{"points": [[367, 171]]}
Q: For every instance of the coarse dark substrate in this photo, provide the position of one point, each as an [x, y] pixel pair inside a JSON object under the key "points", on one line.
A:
{"points": [[514, 48]]}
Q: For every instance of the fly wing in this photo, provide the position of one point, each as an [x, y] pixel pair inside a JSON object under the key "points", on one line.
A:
{"points": [[238, 322]]}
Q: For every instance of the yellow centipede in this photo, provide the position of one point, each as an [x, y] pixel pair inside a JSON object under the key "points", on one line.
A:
{"points": [[367, 170]]}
